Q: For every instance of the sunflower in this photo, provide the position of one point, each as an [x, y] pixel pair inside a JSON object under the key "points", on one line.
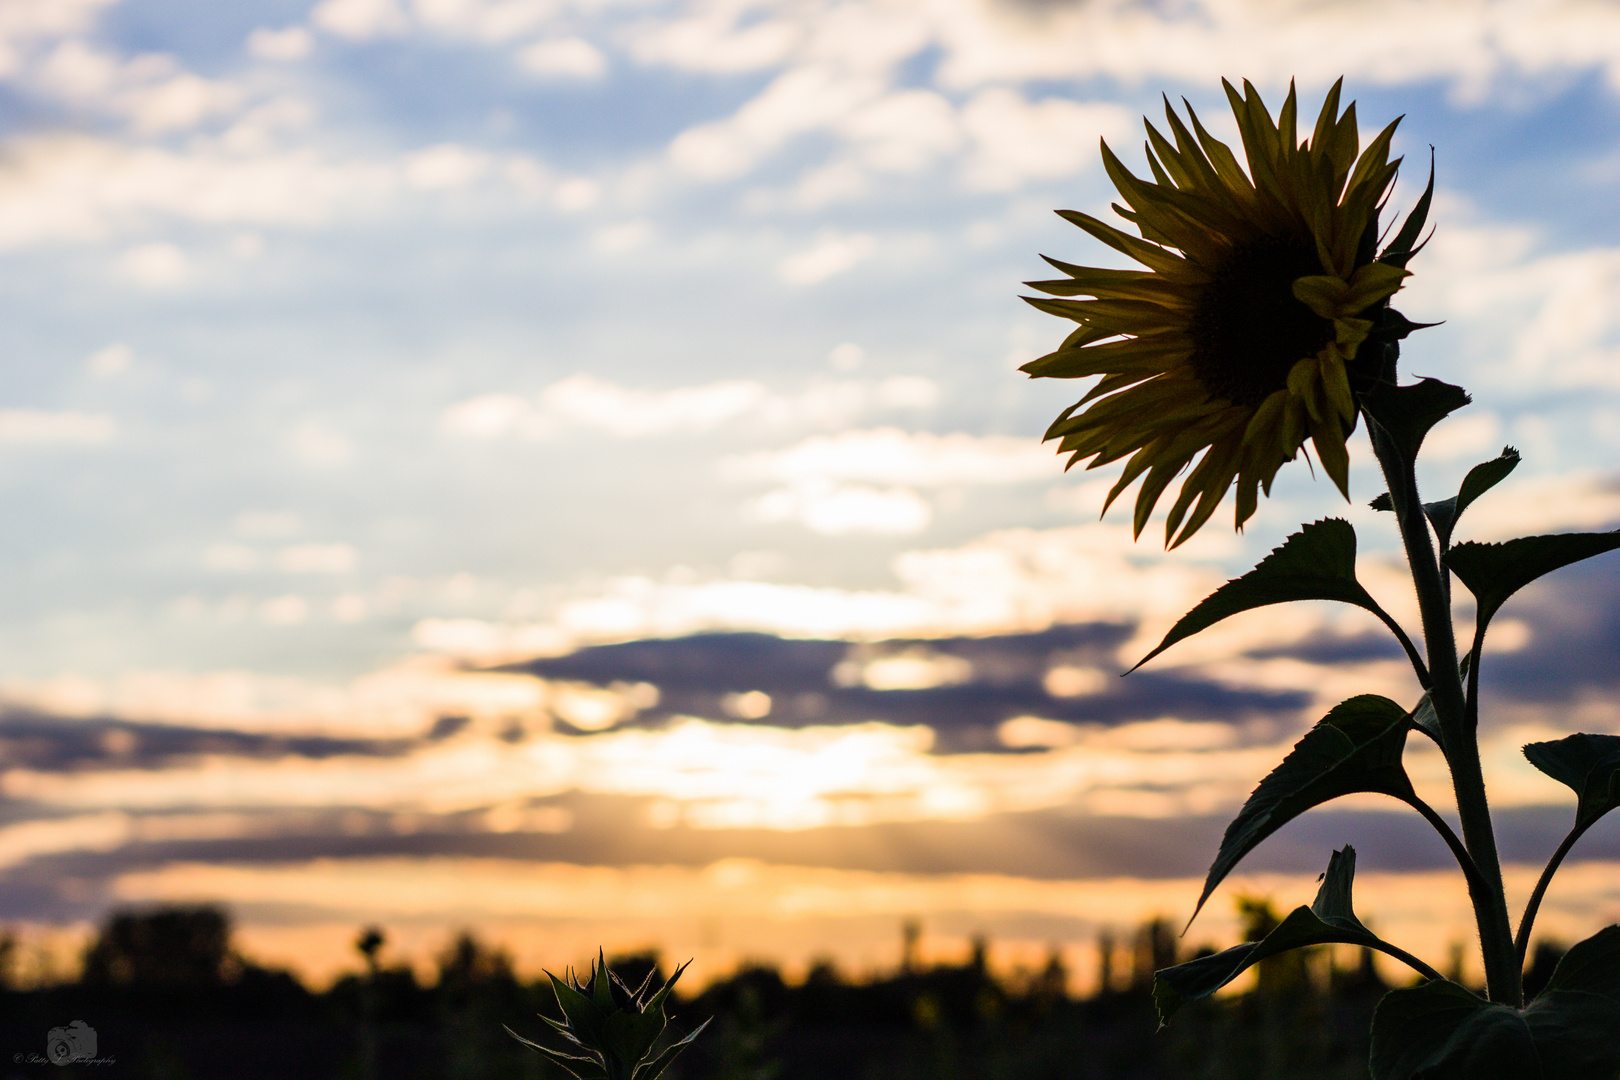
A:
{"points": [[1239, 341]]}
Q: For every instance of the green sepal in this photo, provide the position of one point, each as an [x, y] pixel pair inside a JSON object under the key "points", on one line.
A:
{"points": [[1440, 1031], [1494, 572], [630, 1035], [1407, 413], [1392, 326], [1330, 918], [582, 1013], [1316, 563], [585, 1068], [1589, 765], [1356, 747], [651, 1070], [1405, 245]]}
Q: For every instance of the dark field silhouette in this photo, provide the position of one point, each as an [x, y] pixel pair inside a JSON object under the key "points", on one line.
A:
{"points": [[170, 998]]}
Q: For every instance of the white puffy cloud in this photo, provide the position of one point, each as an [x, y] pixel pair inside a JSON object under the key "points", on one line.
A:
{"points": [[844, 509], [1466, 42], [711, 37], [40, 426], [833, 253], [586, 402], [492, 21], [840, 70], [24, 22], [359, 19], [1016, 141], [155, 266], [1007, 581], [1533, 318], [150, 90], [317, 559], [75, 187], [892, 456], [566, 58], [291, 43], [108, 362], [797, 101], [447, 165]]}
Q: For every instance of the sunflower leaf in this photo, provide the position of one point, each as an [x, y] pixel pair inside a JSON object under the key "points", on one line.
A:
{"points": [[1408, 412], [1316, 563], [1587, 764], [1356, 747], [1494, 572], [1480, 479], [1329, 919], [1405, 245], [1440, 1031]]}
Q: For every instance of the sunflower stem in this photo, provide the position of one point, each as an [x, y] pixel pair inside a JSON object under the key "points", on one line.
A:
{"points": [[1459, 737], [1522, 944]]}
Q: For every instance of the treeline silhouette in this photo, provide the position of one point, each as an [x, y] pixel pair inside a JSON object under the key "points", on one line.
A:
{"points": [[170, 998]]}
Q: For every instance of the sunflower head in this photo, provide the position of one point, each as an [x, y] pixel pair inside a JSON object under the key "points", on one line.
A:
{"points": [[611, 1030], [1245, 334]]}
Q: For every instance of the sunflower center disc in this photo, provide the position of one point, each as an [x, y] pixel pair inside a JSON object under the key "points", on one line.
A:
{"points": [[1248, 329]]}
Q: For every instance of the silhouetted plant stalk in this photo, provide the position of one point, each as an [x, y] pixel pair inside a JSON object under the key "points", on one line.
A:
{"points": [[1263, 322]]}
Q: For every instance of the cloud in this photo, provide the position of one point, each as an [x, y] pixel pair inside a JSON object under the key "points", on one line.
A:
{"points": [[1532, 319], [22, 22], [404, 700], [831, 478], [359, 19], [70, 187], [292, 43], [1016, 141], [110, 361], [445, 166], [155, 266], [845, 509], [891, 456], [1466, 42], [1543, 504], [492, 21], [563, 58], [316, 559], [586, 402], [1007, 581], [796, 102], [833, 253], [713, 38], [150, 90], [40, 427]]}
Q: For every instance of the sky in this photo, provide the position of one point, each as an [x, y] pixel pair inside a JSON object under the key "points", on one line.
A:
{"points": [[393, 388]]}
